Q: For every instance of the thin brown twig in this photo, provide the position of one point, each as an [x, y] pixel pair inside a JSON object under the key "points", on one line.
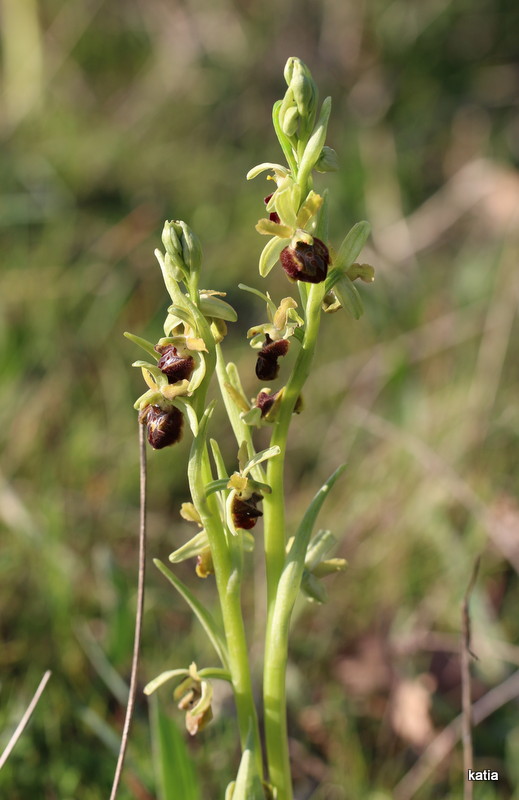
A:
{"points": [[446, 740], [138, 616], [25, 719], [466, 701]]}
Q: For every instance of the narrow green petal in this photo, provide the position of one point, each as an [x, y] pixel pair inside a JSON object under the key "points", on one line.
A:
{"points": [[267, 227]]}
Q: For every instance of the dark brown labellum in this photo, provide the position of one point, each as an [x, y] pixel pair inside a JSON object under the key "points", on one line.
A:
{"points": [[244, 512], [177, 368], [306, 262], [267, 367], [265, 401], [274, 216], [164, 427]]}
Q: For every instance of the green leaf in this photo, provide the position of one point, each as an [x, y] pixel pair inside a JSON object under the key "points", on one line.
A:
{"points": [[302, 537], [176, 777], [147, 346], [351, 245], [221, 469], [209, 624], [315, 143], [270, 254], [291, 576], [248, 784], [235, 381], [283, 139]]}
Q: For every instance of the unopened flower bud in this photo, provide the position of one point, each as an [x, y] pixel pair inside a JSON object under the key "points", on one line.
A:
{"points": [[289, 120], [164, 426], [177, 368], [265, 401], [306, 262], [300, 82], [267, 367], [182, 245], [327, 161]]}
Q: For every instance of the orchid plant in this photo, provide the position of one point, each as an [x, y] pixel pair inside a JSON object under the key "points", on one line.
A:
{"points": [[228, 500]]}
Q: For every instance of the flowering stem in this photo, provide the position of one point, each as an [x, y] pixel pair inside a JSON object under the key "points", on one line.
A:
{"points": [[226, 508], [228, 570], [276, 643], [228, 577]]}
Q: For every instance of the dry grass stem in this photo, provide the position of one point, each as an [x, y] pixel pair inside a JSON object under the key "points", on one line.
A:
{"points": [[445, 742], [138, 616], [465, 655], [25, 719]]}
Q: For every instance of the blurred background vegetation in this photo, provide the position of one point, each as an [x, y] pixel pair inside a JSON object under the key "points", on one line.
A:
{"points": [[116, 116]]}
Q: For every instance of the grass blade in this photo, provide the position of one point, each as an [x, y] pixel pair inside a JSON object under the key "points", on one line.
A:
{"points": [[175, 774]]}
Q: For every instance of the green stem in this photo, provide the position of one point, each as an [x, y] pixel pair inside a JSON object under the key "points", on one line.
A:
{"points": [[228, 569], [276, 644], [274, 504]]}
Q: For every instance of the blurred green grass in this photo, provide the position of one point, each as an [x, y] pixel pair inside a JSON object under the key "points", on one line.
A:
{"points": [[117, 116]]}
